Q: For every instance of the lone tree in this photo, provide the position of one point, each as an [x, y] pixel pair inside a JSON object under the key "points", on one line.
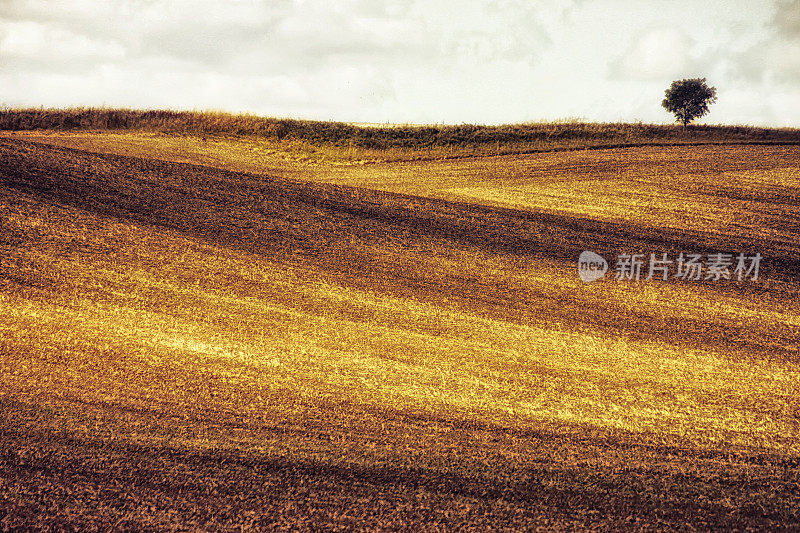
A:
{"points": [[689, 99]]}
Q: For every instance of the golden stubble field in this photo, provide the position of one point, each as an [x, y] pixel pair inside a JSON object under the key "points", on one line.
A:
{"points": [[247, 340]]}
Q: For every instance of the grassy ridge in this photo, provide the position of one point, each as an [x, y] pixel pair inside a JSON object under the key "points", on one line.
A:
{"points": [[186, 347], [475, 138]]}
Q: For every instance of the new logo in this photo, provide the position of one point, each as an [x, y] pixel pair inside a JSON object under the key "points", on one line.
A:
{"points": [[591, 266]]}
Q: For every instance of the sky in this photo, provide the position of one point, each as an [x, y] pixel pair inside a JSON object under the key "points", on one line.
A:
{"points": [[405, 61]]}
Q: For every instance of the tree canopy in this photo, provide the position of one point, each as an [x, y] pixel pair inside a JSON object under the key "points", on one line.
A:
{"points": [[689, 99]]}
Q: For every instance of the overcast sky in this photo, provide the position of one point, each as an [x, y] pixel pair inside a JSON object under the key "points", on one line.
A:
{"points": [[421, 61]]}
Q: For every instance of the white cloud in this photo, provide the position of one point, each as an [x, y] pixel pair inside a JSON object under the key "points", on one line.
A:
{"points": [[787, 18], [657, 54], [37, 42], [400, 60], [775, 59]]}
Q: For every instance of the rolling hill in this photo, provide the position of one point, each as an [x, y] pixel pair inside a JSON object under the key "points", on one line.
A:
{"points": [[208, 333]]}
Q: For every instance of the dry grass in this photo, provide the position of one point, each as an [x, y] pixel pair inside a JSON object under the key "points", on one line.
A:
{"points": [[191, 347], [348, 142]]}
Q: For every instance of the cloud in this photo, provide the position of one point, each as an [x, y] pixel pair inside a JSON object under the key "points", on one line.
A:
{"points": [[404, 60], [343, 54], [660, 54], [771, 62], [775, 59], [32, 40], [787, 18], [300, 33]]}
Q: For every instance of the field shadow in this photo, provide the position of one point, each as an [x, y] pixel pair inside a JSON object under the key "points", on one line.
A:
{"points": [[384, 242], [574, 482]]}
